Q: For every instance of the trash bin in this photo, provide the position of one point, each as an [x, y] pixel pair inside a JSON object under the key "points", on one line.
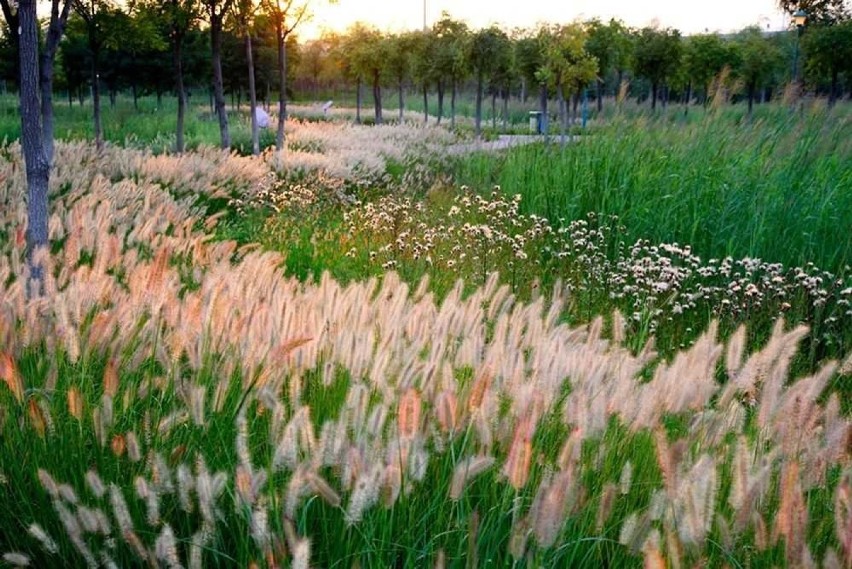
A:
{"points": [[535, 122]]}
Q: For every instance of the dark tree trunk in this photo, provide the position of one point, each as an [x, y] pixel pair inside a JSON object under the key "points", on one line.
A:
{"points": [[494, 110], [575, 107], [654, 96], [358, 101], [505, 108], [37, 165], [832, 97], [401, 100], [255, 134], [218, 84], [377, 97], [599, 94], [453, 105], [751, 90], [687, 99], [440, 101], [542, 100], [478, 120], [55, 30], [425, 104], [282, 84], [159, 98], [524, 90], [70, 99], [112, 96], [96, 92], [80, 95], [177, 61], [563, 115]]}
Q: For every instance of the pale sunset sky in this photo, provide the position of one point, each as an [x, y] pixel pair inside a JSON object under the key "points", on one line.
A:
{"points": [[687, 16]]}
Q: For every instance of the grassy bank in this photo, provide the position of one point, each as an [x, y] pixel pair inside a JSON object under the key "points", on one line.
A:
{"points": [[778, 187]]}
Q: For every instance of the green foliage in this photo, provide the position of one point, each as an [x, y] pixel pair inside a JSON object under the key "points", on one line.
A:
{"points": [[705, 56], [657, 56], [757, 60], [828, 51]]}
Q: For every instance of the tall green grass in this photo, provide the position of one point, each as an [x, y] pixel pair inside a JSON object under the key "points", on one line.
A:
{"points": [[778, 187]]}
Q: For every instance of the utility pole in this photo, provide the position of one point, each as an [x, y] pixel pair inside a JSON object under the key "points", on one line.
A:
{"points": [[424, 17]]}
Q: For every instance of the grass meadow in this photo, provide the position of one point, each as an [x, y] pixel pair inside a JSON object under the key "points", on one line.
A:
{"points": [[375, 349]]}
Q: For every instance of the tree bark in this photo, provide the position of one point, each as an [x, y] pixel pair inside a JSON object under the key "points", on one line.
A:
{"points": [[832, 97], [494, 110], [479, 83], [218, 84], [453, 105], [563, 116], [505, 108], [37, 165], [255, 133], [425, 104], [751, 89], [55, 29], [599, 94], [377, 97], [282, 82], [440, 101], [654, 96], [358, 102], [542, 96], [401, 100], [177, 61], [96, 88]]}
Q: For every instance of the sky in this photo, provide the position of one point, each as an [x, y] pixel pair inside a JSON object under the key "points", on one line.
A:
{"points": [[688, 16]]}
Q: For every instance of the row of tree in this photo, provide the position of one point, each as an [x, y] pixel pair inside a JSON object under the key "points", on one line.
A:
{"points": [[121, 40]]}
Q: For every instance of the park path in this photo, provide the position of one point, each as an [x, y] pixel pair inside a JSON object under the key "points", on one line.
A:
{"points": [[503, 142]]}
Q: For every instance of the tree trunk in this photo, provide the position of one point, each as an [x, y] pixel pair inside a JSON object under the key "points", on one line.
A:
{"points": [[440, 100], [832, 97], [524, 90], [563, 115], [96, 97], [575, 107], [542, 96], [478, 119], [37, 165], [687, 98], [654, 96], [599, 94], [425, 104], [453, 105], [112, 96], [218, 84], [177, 61], [255, 133], [358, 101], [401, 100], [282, 84], [751, 89], [505, 108], [494, 110], [377, 97], [54, 34]]}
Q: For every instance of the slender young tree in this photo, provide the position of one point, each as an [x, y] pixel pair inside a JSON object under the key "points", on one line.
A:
{"points": [[287, 15], [181, 16], [245, 12], [489, 48], [216, 11]]}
